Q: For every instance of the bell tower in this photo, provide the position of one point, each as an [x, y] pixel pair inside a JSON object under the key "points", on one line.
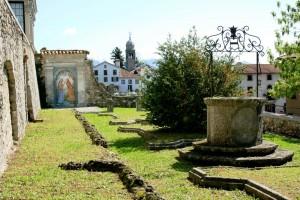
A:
{"points": [[130, 55]]}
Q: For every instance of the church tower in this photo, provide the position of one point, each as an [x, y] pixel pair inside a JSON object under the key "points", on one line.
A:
{"points": [[130, 55]]}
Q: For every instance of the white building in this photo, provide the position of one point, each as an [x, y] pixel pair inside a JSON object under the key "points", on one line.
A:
{"points": [[107, 73], [124, 81], [127, 78], [130, 81], [267, 77]]}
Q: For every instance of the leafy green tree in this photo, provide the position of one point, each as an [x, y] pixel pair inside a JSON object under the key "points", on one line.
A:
{"points": [[288, 47], [117, 54], [175, 94]]}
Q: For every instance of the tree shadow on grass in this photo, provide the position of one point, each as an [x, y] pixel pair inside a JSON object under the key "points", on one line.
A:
{"points": [[129, 144], [183, 166]]}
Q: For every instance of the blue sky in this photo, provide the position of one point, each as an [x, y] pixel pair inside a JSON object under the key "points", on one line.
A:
{"points": [[100, 25]]}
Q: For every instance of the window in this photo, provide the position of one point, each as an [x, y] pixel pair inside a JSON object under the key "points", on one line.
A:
{"points": [[18, 9], [129, 88], [96, 72], [130, 81], [105, 66], [259, 83], [269, 77], [105, 72], [105, 79], [123, 82], [137, 82], [250, 90], [249, 78], [269, 87], [114, 79], [115, 72]]}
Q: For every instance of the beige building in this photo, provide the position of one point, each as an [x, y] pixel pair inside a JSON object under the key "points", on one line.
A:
{"points": [[19, 95], [68, 79], [293, 105]]}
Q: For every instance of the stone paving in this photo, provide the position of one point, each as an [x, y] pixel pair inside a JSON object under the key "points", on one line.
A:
{"points": [[88, 109]]}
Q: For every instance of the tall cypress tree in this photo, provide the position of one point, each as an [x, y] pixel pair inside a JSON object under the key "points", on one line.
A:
{"points": [[117, 54]]}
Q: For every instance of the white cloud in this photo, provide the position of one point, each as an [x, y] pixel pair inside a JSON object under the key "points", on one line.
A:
{"points": [[70, 31]]}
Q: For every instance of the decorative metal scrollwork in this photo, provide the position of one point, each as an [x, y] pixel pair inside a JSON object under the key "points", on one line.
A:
{"points": [[234, 39]]}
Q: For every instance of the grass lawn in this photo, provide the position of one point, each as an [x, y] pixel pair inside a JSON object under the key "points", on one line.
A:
{"points": [[33, 173], [284, 180], [161, 169]]}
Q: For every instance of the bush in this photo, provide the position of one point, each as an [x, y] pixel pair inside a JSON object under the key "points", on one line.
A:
{"points": [[174, 96]]}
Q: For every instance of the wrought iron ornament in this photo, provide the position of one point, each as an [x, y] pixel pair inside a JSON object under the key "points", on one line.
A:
{"points": [[234, 39]]}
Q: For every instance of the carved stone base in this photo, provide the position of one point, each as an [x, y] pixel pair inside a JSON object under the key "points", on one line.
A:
{"points": [[265, 154]]}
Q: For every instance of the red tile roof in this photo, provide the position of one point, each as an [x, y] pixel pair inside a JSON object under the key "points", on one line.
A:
{"points": [[126, 74], [264, 69], [44, 51]]}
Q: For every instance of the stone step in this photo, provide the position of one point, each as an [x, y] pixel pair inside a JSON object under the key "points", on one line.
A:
{"points": [[263, 149], [279, 157]]}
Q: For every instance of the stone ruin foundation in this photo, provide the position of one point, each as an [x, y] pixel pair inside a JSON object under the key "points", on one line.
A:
{"points": [[234, 136]]}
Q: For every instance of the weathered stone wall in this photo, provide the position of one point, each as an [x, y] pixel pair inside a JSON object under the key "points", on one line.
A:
{"points": [[279, 123], [97, 92], [19, 100], [87, 92], [125, 101]]}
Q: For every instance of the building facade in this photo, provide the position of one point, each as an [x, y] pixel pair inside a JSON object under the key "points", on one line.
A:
{"points": [[68, 79], [122, 80], [267, 77], [19, 95]]}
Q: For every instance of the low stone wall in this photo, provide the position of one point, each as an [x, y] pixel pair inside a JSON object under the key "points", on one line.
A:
{"points": [[134, 183], [172, 145], [95, 136], [136, 121], [279, 123], [125, 101], [181, 143], [199, 177]]}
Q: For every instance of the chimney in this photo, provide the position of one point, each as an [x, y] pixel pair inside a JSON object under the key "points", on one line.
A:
{"points": [[118, 63]]}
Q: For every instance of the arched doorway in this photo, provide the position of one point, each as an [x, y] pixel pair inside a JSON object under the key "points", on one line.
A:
{"points": [[8, 72]]}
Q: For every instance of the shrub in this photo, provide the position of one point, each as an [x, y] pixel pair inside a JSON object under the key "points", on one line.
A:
{"points": [[174, 96]]}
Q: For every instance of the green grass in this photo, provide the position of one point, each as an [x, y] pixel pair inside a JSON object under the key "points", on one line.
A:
{"points": [[33, 172], [161, 169], [284, 180]]}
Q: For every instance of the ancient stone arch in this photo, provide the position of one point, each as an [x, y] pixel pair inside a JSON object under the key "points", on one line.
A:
{"points": [[27, 89], [8, 70]]}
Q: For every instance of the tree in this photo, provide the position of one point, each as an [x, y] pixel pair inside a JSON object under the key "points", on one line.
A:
{"points": [[174, 95], [288, 47], [116, 54]]}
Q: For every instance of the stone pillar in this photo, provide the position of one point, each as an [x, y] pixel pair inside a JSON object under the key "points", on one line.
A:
{"points": [[110, 105], [138, 102], [234, 121], [49, 85]]}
